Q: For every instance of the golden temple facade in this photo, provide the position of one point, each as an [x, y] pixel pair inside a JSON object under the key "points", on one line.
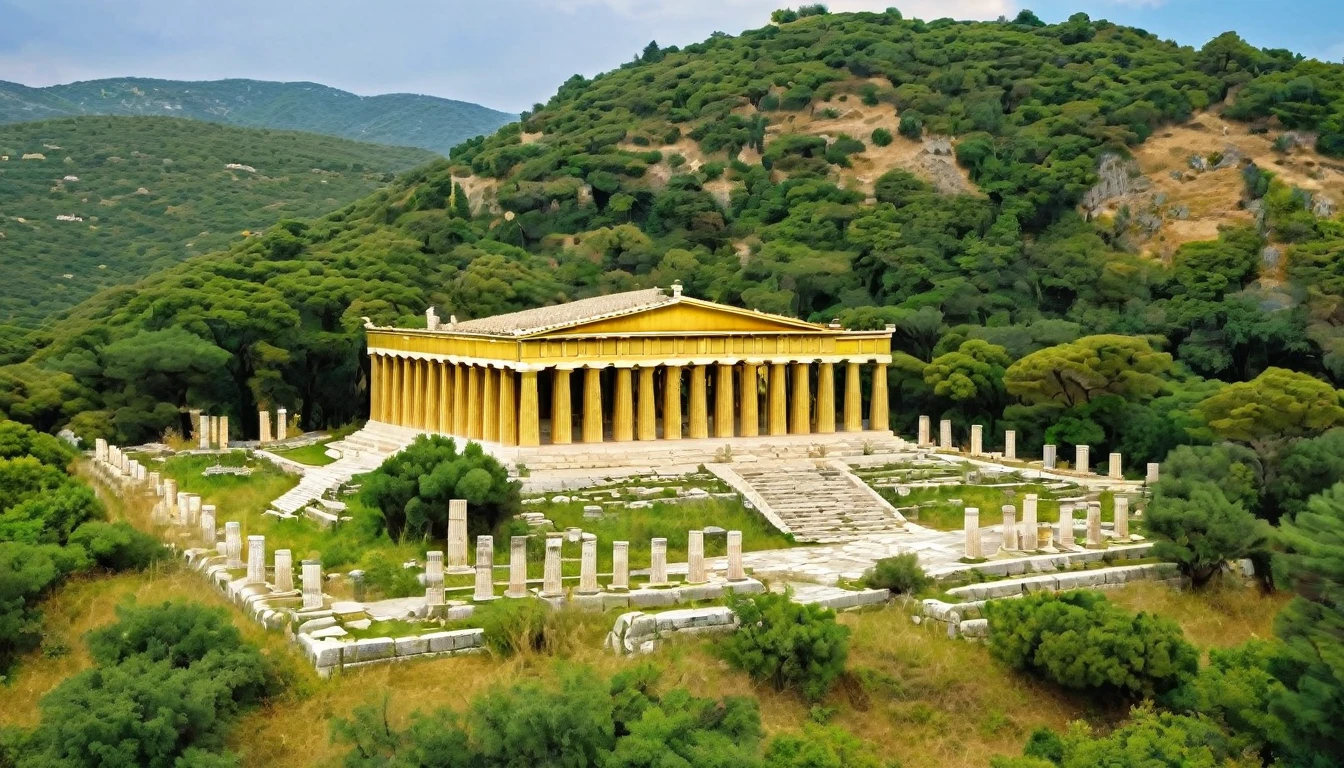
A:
{"points": [[637, 366]]}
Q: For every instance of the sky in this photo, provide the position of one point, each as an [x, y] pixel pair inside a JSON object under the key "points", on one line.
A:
{"points": [[509, 54]]}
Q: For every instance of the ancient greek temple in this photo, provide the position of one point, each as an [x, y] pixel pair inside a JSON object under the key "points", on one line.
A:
{"points": [[631, 369]]}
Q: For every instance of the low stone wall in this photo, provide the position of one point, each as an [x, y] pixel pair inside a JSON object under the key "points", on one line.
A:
{"points": [[637, 632], [1046, 563], [659, 597], [330, 654]]}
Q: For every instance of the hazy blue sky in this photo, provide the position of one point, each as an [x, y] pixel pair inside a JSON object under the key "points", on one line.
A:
{"points": [[507, 54]]}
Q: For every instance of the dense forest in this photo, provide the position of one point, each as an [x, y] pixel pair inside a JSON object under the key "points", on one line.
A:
{"points": [[92, 202], [1012, 309]]}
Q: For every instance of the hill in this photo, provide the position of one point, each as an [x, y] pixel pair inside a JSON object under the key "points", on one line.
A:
{"points": [[863, 167], [398, 119], [91, 202]]}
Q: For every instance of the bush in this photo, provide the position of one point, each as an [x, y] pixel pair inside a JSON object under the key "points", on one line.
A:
{"points": [[27, 573], [1082, 641], [1150, 739], [901, 574], [515, 626], [1203, 532], [820, 746], [787, 644], [882, 137], [912, 125], [117, 546]]}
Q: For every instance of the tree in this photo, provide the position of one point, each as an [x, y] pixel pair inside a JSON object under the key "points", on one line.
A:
{"points": [[972, 375], [1203, 532], [1305, 469], [1149, 739], [789, 645], [1074, 373], [901, 574], [1278, 405]]}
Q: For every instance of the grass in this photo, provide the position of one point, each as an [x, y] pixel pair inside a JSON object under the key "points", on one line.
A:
{"points": [[944, 515], [314, 455]]}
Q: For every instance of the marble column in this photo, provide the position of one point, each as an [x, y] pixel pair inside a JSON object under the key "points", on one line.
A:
{"points": [[777, 423], [562, 420], [1010, 444], [1030, 526], [509, 408], [592, 405], [800, 417], [183, 508], [517, 567], [475, 408], [647, 427], [156, 482], [825, 398], [623, 407], [925, 435], [879, 413], [434, 578], [312, 585], [971, 527], [750, 400], [696, 407], [658, 563], [695, 557], [588, 566], [264, 425], [1066, 526], [1116, 470], [945, 434], [672, 402], [1081, 460], [209, 533], [203, 430], [100, 450], [193, 509], [1048, 456], [256, 559], [977, 439], [1009, 528], [725, 415], [490, 405], [170, 497], [457, 536], [281, 424], [1154, 472], [1094, 524], [284, 571], [853, 398], [461, 395], [485, 569], [1120, 518], [224, 432], [214, 433], [233, 544], [620, 565], [735, 570], [552, 582], [445, 398]]}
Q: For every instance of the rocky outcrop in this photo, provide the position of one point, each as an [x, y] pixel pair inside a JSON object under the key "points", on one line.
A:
{"points": [[1117, 178]]}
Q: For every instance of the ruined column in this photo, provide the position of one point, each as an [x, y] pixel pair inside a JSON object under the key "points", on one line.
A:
{"points": [[1030, 538], [256, 559], [977, 439], [100, 450], [433, 578], [925, 432], [1066, 526], [735, 570], [1120, 518], [971, 525], [457, 536], [517, 567], [552, 583], [170, 498], [156, 482], [1094, 524], [264, 421], [284, 571], [1010, 444], [658, 563], [281, 423], [193, 509], [1048, 456], [203, 432], [224, 432], [312, 585], [945, 434], [485, 569], [588, 566], [695, 557], [1081, 460], [182, 507], [209, 534], [1153, 472], [620, 565], [1009, 529], [1116, 471]]}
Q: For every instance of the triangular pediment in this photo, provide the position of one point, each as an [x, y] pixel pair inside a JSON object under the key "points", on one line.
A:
{"points": [[687, 316]]}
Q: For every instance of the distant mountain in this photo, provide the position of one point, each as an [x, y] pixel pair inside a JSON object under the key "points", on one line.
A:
{"points": [[398, 119]]}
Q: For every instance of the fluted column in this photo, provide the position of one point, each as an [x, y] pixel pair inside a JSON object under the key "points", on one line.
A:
{"points": [[825, 398], [376, 382], [725, 415], [461, 384], [431, 396], [529, 416], [592, 405], [418, 394], [879, 413], [445, 398], [800, 423], [698, 408], [490, 405], [475, 389], [508, 408], [853, 399], [623, 415], [400, 408], [750, 399], [672, 402], [647, 428], [562, 422], [779, 407]]}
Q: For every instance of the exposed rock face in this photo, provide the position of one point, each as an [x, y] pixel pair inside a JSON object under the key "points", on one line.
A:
{"points": [[1322, 207], [1198, 163], [1118, 178], [936, 160], [1231, 158]]}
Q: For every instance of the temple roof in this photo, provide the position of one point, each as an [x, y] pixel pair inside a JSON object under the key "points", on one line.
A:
{"points": [[530, 321]]}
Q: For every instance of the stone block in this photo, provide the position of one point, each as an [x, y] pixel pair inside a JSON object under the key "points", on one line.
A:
{"points": [[370, 649], [612, 600], [974, 628], [455, 640], [411, 646], [652, 598], [675, 621], [324, 654], [700, 592]]}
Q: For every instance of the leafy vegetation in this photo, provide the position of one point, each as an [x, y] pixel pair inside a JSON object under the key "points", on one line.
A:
{"points": [[901, 574], [789, 645]]}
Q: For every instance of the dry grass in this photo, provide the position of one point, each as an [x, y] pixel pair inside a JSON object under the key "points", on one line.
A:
{"points": [[1218, 617]]}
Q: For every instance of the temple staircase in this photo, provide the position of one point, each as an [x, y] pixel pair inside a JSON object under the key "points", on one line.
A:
{"points": [[360, 452], [817, 501]]}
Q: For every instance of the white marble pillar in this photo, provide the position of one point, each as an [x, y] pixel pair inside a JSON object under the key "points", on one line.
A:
{"points": [[181, 508], [735, 570], [1153, 472], [552, 578], [156, 482], [214, 432], [457, 536], [169, 499], [204, 432], [977, 439], [945, 434], [517, 567], [1048, 456], [256, 559], [209, 531], [433, 578], [620, 565], [312, 585], [658, 563], [1094, 524], [695, 557], [925, 431], [100, 450], [1116, 471], [1120, 518], [1010, 444], [971, 526], [1082, 460], [224, 432], [1066, 526], [485, 569], [264, 423], [233, 544], [284, 571], [1009, 529], [1030, 538], [281, 423], [193, 509], [588, 566]]}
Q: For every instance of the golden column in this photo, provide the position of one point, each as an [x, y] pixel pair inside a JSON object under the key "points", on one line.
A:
{"points": [[474, 405], [490, 401], [647, 428], [461, 384], [879, 412], [432, 399], [672, 402], [623, 415], [699, 415], [508, 408], [751, 420], [826, 398], [853, 399], [529, 418], [779, 409], [723, 402], [801, 424], [445, 397], [375, 387], [384, 388], [562, 421], [403, 403], [418, 394], [592, 405]]}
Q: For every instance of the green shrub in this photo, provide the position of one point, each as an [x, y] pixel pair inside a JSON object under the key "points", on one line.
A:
{"points": [[901, 574], [912, 125], [789, 645], [820, 746], [1149, 739], [515, 626], [27, 573], [882, 137], [1081, 640], [118, 546]]}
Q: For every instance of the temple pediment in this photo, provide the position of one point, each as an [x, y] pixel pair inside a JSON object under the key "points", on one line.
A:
{"points": [[685, 316]]}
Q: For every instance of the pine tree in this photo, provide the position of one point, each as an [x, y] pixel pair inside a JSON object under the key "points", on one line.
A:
{"points": [[461, 203]]}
